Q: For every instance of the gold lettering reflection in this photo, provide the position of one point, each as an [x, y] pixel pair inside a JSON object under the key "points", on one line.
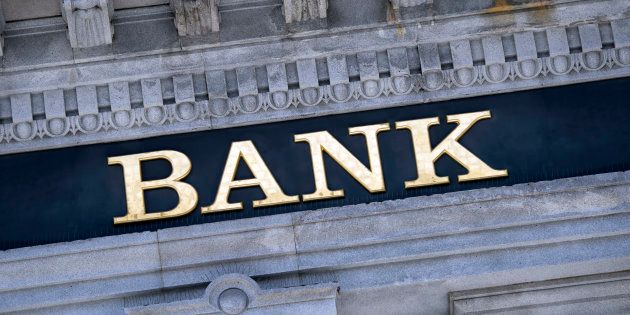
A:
{"points": [[319, 142], [262, 177], [135, 187], [425, 156]]}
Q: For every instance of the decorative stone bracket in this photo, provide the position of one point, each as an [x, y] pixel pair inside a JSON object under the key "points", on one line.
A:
{"points": [[237, 293], [196, 17], [89, 22], [397, 4], [425, 72], [304, 10]]}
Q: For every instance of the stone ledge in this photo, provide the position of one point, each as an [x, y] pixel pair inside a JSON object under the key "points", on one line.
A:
{"points": [[595, 294], [117, 103], [454, 235]]}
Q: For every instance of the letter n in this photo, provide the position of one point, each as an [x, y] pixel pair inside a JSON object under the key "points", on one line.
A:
{"points": [[319, 142]]}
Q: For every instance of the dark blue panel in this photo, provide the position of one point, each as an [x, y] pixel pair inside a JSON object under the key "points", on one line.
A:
{"points": [[69, 194]]}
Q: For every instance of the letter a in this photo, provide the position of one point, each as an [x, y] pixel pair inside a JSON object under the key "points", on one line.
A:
{"points": [[135, 187], [262, 178], [425, 157]]}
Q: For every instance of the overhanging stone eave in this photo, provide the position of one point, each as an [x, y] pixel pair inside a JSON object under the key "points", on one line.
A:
{"points": [[94, 78], [302, 112], [442, 28]]}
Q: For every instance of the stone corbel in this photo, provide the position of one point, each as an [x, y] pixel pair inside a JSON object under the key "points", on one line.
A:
{"points": [[89, 22], [196, 17], [397, 4], [296, 11]]}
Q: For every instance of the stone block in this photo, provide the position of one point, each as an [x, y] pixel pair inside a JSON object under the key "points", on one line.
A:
{"points": [[277, 77], [590, 37], [54, 104], [429, 57], [183, 89], [21, 108], [197, 254], [304, 10], [557, 41], [119, 96], [37, 49], [217, 86], [79, 271], [423, 232], [152, 92], [597, 294], [307, 73], [397, 4], [368, 66], [525, 46], [140, 37], [196, 17], [86, 100], [621, 32], [89, 22], [246, 79], [461, 54], [398, 62], [493, 50], [337, 70]]}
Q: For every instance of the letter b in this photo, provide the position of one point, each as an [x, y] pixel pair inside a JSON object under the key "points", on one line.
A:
{"points": [[135, 187]]}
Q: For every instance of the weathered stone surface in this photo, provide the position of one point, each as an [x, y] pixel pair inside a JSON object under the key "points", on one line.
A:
{"points": [[424, 246], [597, 294], [91, 270], [450, 7], [2, 23], [89, 22], [197, 254], [397, 4], [239, 294], [196, 17], [304, 10]]}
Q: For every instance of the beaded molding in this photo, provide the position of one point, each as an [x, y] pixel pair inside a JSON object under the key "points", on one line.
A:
{"points": [[340, 87]]}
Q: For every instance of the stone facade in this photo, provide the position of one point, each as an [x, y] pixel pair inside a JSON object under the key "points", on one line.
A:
{"points": [[99, 71]]}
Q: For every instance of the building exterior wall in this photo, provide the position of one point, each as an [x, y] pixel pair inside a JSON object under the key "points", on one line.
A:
{"points": [[555, 246]]}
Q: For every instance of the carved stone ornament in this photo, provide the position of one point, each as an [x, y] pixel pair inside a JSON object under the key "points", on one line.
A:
{"points": [[89, 22], [156, 116], [1, 29], [196, 17], [397, 4], [304, 10]]}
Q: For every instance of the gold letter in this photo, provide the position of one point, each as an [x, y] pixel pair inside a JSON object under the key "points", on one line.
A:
{"points": [[262, 178], [425, 157], [135, 187], [321, 141]]}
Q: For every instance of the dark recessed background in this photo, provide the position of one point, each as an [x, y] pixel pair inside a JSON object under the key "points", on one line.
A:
{"points": [[70, 194]]}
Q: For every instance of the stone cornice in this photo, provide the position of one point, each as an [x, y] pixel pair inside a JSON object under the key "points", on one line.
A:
{"points": [[144, 96]]}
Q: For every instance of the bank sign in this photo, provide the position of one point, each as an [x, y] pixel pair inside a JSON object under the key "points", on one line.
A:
{"points": [[308, 164]]}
